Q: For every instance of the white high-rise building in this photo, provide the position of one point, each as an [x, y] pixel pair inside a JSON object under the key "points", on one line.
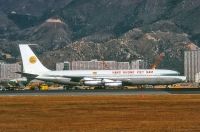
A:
{"points": [[191, 64], [101, 65], [59, 66], [123, 65], [139, 64], [63, 66], [8, 71]]}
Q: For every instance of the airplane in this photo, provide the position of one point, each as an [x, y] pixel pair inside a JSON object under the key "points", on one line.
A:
{"points": [[34, 69]]}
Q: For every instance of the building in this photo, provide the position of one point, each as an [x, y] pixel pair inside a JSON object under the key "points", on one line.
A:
{"points": [[192, 65], [63, 66], [197, 77], [101, 65], [59, 66], [123, 65], [138, 64], [110, 65], [93, 65], [7, 71]]}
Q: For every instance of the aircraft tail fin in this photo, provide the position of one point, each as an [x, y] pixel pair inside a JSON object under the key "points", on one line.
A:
{"points": [[31, 64]]}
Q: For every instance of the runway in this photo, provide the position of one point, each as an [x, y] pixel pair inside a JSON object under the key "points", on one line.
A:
{"points": [[100, 92]]}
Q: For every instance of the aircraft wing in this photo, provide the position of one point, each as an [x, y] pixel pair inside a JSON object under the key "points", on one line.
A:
{"points": [[28, 75], [73, 78]]}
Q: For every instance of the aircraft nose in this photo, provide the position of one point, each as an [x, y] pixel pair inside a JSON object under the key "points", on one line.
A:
{"points": [[183, 78]]}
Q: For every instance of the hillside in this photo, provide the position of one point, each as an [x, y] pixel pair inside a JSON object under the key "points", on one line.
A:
{"points": [[108, 29]]}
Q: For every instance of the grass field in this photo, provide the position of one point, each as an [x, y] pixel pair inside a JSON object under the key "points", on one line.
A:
{"points": [[100, 113]]}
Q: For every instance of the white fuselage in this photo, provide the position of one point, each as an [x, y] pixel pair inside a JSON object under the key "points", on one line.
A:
{"points": [[129, 77]]}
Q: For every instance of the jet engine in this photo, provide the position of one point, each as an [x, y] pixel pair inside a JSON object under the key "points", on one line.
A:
{"points": [[101, 82], [112, 83], [92, 82]]}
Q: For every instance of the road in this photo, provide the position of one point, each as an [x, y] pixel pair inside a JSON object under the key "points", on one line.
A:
{"points": [[99, 92]]}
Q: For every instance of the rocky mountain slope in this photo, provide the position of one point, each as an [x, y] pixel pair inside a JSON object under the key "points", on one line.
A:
{"points": [[107, 29]]}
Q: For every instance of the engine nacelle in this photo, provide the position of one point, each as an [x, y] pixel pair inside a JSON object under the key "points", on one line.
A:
{"points": [[92, 82], [112, 83], [101, 82]]}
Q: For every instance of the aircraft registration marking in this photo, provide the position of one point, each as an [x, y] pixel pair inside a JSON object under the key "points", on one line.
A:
{"points": [[133, 72]]}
